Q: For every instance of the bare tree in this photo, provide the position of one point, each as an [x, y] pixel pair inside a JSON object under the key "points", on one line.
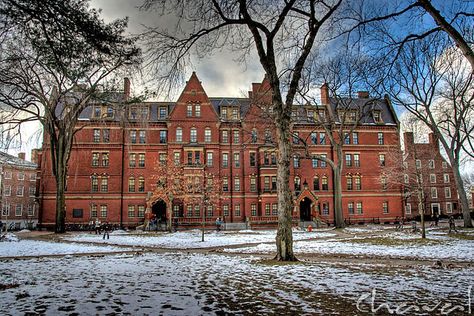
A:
{"points": [[430, 80], [55, 57], [283, 34]]}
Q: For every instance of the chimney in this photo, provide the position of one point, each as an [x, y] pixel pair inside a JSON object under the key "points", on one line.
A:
{"points": [[34, 155], [433, 139], [325, 94], [408, 139], [363, 94], [126, 88], [21, 156]]}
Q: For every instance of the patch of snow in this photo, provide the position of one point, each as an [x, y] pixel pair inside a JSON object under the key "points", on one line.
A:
{"points": [[9, 237], [25, 231]]}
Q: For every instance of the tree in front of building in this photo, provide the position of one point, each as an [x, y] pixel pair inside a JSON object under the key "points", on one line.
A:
{"points": [[56, 57]]}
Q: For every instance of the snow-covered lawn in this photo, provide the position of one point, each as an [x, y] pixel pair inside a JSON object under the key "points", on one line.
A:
{"points": [[40, 248], [192, 239], [199, 284], [397, 245]]}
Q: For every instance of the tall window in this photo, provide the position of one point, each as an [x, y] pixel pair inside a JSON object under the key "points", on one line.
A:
{"points": [[296, 138], [197, 157], [141, 184], [348, 160], [225, 184], [236, 138], [447, 192], [95, 159], [324, 183], [237, 160], [316, 183], [297, 184], [274, 209], [105, 159], [103, 211], [314, 138], [431, 164], [253, 184], [267, 209], [418, 164], [253, 159], [347, 138], [350, 208], [96, 135], [434, 193], [406, 179], [141, 160], [131, 211], [408, 208], [95, 183], [141, 211], [268, 136], [237, 184], [359, 208], [380, 138], [325, 208], [131, 184], [446, 178], [193, 137], [357, 182], [225, 160], [163, 113], [207, 135], [355, 138], [237, 210], [189, 212], [210, 159], [104, 185], [274, 183], [254, 136], [349, 183], [133, 137], [179, 134], [226, 209], [210, 211], [162, 137], [142, 136], [382, 160], [356, 160], [322, 138], [385, 207], [197, 110], [314, 162], [224, 113], [253, 209], [20, 190], [197, 210], [189, 110], [235, 114], [432, 178], [106, 135], [296, 161], [383, 181], [266, 183], [322, 163], [132, 160], [225, 136], [449, 207], [177, 158], [93, 211]]}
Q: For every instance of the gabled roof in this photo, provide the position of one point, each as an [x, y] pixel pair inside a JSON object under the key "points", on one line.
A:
{"points": [[10, 160]]}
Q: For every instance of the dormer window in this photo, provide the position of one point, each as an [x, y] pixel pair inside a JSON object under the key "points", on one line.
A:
{"points": [[352, 116], [103, 112], [310, 115], [224, 113], [377, 117], [110, 112], [235, 113], [163, 112], [97, 111]]}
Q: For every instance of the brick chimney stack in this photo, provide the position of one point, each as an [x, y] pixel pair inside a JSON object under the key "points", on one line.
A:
{"points": [[433, 140], [126, 88], [21, 156], [363, 94], [408, 139], [325, 94]]}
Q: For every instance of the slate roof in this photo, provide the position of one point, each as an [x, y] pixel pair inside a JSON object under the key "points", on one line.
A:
{"points": [[10, 160]]}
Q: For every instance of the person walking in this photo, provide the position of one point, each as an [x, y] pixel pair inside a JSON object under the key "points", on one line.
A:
{"points": [[106, 228], [452, 224]]}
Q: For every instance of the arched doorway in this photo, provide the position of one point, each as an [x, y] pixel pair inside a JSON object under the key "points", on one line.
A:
{"points": [[305, 210], [159, 209]]}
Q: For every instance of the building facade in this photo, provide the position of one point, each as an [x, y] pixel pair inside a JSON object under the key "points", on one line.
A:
{"points": [[115, 153], [18, 187], [425, 162]]}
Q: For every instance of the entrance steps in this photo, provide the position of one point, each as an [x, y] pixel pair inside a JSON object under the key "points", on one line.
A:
{"points": [[314, 224], [235, 226]]}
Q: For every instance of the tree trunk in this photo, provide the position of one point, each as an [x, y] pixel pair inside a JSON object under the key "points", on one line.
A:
{"points": [[60, 177], [421, 209], [338, 216], [462, 196], [284, 238]]}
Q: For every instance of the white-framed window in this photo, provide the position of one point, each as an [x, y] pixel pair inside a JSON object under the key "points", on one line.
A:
{"points": [[103, 211], [21, 175], [380, 138], [359, 208], [431, 164], [7, 190], [207, 135], [382, 160], [446, 178], [32, 176], [432, 178], [434, 193], [131, 211], [197, 110], [20, 190], [210, 159], [447, 192], [236, 136], [444, 164], [189, 110], [418, 164], [253, 209], [406, 179], [225, 160], [225, 136], [274, 209], [226, 209], [408, 208], [141, 211], [93, 211], [350, 208], [193, 135], [6, 209], [32, 191], [31, 209], [449, 207], [179, 134], [385, 207], [19, 210], [7, 174], [237, 184]]}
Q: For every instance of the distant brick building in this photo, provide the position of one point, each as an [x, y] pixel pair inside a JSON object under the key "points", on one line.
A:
{"points": [[18, 191], [438, 180], [115, 152]]}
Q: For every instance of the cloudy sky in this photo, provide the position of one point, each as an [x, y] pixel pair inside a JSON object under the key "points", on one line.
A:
{"points": [[220, 74]]}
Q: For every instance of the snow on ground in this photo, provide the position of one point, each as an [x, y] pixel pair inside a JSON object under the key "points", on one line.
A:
{"points": [[192, 239], [200, 284], [39, 248], [437, 247]]}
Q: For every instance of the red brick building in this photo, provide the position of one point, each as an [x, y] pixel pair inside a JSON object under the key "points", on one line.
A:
{"points": [[18, 192], [437, 178], [115, 153]]}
